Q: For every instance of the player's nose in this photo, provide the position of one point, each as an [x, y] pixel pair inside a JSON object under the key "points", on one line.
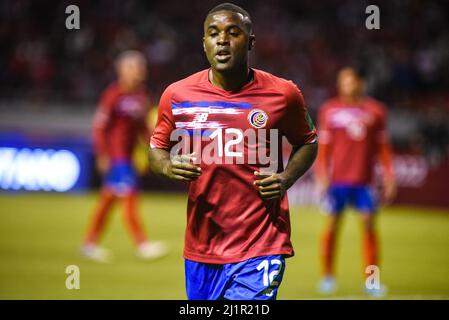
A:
{"points": [[223, 39]]}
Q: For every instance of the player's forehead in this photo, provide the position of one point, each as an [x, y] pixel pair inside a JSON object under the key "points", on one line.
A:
{"points": [[134, 59], [348, 73], [225, 19]]}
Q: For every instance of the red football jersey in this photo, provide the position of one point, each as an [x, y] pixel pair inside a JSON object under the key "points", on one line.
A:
{"points": [[120, 118], [354, 134], [227, 220]]}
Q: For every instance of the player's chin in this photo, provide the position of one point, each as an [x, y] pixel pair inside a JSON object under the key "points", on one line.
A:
{"points": [[224, 67]]}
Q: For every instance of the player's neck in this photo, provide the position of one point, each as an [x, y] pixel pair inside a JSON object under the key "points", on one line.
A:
{"points": [[127, 86], [352, 99], [231, 81]]}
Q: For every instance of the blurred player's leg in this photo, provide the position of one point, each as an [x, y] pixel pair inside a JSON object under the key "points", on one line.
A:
{"points": [[100, 216], [328, 247], [338, 197], [145, 249], [371, 250], [131, 218], [366, 205], [90, 248]]}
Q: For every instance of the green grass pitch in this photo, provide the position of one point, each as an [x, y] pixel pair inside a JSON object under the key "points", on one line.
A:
{"points": [[40, 236]]}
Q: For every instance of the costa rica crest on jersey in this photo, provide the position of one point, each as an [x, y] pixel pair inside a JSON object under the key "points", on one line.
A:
{"points": [[257, 118]]}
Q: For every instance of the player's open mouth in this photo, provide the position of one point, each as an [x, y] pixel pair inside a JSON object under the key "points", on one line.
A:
{"points": [[223, 55]]}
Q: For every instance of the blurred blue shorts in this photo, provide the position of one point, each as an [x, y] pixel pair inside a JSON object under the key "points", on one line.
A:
{"points": [[121, 178], [359, 196]]}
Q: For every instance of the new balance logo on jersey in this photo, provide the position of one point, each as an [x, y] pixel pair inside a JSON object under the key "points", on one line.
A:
{"points": [[354, 121], [200, 117], [130, 106]]}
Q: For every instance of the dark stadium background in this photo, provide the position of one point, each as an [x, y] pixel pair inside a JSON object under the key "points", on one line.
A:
{"points": [[51, 77]]}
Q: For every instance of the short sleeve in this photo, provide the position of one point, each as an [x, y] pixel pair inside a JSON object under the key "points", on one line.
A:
{"points": [[165, 123], [102, 119], [298, 127]]}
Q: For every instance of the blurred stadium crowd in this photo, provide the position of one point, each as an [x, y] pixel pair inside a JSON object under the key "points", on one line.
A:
{"points": [[406, 62]]}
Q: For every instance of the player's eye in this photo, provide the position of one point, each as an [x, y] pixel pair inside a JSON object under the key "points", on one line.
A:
{"points": [[234, 33]]}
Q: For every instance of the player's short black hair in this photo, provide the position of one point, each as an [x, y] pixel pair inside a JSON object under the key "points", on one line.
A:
{"points": [[130, 54], [356, 69], [227, 6]]}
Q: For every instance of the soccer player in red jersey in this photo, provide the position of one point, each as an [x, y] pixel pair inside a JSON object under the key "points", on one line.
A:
{"points": [[238, 225], [118, 124], [352, 129]]}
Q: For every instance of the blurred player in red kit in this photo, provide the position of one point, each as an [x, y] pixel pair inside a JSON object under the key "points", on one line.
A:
{"points": [[238, 225], [119, 122], [353, 136]]}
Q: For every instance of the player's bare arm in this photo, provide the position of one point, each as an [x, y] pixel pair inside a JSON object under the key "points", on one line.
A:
{"points": [[321, 168], [272, 186], [178, 168], [102, 160], [389, 181], [103, 163]]}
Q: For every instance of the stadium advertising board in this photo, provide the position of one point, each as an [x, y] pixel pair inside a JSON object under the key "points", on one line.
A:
{"points": [[44, 163]]}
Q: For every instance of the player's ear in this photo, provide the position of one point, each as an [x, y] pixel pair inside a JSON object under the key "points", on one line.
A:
{"points": [[252, 42], [204, 46]]}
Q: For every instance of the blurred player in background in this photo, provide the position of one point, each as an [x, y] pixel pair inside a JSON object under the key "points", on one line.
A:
{"points": [[238, 224], [352, 130], [119, 123]]}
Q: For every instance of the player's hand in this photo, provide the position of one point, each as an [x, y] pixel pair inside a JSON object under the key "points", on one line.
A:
{"points": [[271, 185], [322, 185], [181, 167], [389, 190], [103, 164]]}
